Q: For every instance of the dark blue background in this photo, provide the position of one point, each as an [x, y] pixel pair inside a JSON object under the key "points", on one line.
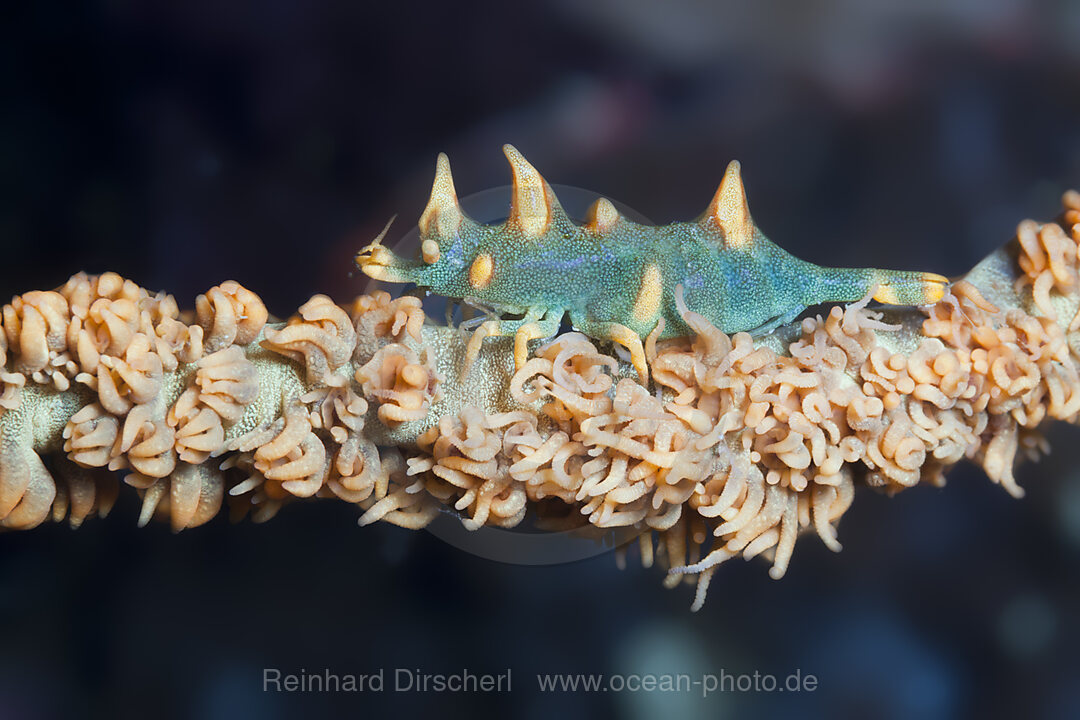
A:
{"points": [[185, 144]]}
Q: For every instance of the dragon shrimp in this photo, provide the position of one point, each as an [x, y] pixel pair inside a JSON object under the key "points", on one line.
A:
{"points": [[618, 280]]}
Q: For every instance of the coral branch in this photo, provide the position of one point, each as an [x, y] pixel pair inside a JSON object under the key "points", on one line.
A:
{"points": [[738, 447]]}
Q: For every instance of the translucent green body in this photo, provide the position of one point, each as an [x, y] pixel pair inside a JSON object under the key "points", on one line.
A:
{"points": [[611, 273]]}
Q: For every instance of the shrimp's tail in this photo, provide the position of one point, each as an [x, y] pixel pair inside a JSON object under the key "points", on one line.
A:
{"points": [[908, 288]]}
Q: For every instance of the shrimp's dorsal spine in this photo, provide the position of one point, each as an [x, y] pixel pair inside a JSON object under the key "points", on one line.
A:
{"points": [[443, 213], [730, 211], [532, 203], [601, 217]]}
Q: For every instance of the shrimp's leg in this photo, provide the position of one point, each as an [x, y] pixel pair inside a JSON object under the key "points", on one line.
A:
{"points": [[537, 323], [618, 334], [769, 325], [537, 330], [908, 288]]}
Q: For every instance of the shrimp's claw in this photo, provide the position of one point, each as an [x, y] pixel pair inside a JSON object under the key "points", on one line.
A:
{"points": [[910, 288]]}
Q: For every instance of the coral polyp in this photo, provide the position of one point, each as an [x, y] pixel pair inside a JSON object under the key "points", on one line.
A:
{"points": [[739, 444]]}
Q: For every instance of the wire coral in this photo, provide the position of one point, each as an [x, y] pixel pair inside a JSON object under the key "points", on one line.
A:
{"points": [[737, 447]]}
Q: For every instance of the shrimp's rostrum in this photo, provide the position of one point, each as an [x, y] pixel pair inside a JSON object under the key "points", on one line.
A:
{"points": [[618, 280]]}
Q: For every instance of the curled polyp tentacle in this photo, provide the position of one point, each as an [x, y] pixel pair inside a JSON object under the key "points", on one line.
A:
{"points": [[305, 471], [11, 385], [338, 410], [131, 380], [35, 328], [229, 314], [249, 492], [378, 319], [1048, 258], [195, 494], [27, 489], [465, 463], [107, 329], [401, 383], [227, 382], [1000, 454], [82, 492], [82, 290], [188, 497], [322, 337], [89, 436], [294, 458], [896, 452], [398, 499], [402, 508], [199, 435], [827, 506], [152, 452], [355, 470]]}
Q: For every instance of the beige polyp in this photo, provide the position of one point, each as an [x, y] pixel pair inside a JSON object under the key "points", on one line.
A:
{"points": [[379, 318], [227, 383], [190, 496], [35, 329], [123, 382], [401, 384], [229, 314], [89, 436], [322, 337], [82, 492], [199, 434]]}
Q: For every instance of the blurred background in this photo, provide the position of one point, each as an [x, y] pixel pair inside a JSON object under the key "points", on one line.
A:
{"points": [[188, 143]]}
